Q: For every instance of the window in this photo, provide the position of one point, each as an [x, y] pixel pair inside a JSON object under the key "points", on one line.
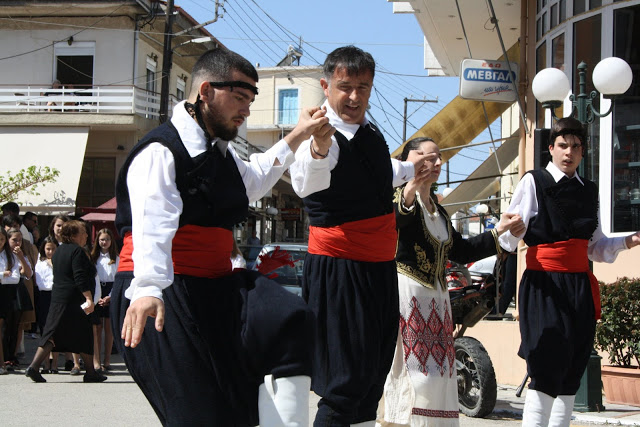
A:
{"points": [[557, 61], [151, 87], [625, 168], [97, 181], [586, 48], [287, 106], [180, 86], [74, 63], [541, 64], [151, 74]]}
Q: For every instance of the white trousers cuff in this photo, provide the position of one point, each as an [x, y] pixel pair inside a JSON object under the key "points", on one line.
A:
{"points": [[561, 411], [537, 409], [284, 402]]}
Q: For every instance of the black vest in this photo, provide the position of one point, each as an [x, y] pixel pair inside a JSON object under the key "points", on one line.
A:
{"points": [[210, 185], [361, 183], [566, 210]]}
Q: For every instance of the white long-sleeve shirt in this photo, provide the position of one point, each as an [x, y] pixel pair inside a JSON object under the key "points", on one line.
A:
{"points": [[44, 275], [14, 277], [525, 203], [309, 175], [156, 205], [106, 271]]}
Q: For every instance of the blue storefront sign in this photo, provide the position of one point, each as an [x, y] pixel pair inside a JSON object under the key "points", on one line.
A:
{"points": [[483, 80]]}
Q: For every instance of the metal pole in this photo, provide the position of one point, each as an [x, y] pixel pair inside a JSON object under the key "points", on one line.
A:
{"points": [[404, 117], [506, 58], [167, 60], [404, 122], [581, 101]]}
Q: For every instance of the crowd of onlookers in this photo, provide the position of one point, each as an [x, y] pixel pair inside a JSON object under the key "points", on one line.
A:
{"points": [[40, 304]]}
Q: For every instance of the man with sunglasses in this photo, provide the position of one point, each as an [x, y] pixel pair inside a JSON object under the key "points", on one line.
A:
{"points": [[224, 349]]}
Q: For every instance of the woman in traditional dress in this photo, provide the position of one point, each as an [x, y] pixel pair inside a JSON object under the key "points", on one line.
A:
{"points": [[421, 388]]}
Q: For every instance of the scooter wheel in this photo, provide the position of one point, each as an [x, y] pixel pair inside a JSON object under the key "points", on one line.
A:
{"points": [[477, 388]]}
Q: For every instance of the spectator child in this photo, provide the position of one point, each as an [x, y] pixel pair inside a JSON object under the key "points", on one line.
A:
{"points": [[44, 280], [9, 280], [105, 256], [24, 296]]}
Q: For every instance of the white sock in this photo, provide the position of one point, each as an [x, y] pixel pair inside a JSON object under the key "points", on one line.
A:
{"points": [[284, 402], [561, 411], [537, 409]]}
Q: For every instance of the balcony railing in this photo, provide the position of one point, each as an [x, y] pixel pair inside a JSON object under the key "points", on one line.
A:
{"points": [[96, 99]]}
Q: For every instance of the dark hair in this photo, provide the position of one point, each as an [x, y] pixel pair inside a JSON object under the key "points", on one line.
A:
{"points": [[29, 215], [46, 240], [64, 218], [568, 126], [413, 144], [70, 229], [354, 60], [7, 249], [12, 231], [10, 220], [11, 207], [218, 64], [113, 249]]}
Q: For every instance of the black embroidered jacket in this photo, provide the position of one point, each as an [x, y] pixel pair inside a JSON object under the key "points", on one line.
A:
{"points": [[422, 257]]}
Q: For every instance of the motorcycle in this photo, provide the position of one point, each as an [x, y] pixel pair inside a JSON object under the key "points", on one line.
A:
{"points": [[470, 302]]}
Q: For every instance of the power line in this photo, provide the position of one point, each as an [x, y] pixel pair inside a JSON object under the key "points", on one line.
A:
{"points": [[66, 38], [251, 27], [385, 114]]}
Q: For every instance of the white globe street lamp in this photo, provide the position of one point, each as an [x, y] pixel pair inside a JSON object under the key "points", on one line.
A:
{"points": [[612, 76]]}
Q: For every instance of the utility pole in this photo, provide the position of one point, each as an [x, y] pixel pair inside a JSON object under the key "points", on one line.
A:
{"points": [[167, 56], [167, 61], [404, 117]]}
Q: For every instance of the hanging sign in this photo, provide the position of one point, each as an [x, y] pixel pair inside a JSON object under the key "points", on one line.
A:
{"points": [[483, 80], [290, 214]]}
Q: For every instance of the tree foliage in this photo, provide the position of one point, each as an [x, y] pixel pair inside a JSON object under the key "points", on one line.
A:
{"points": [[26, 181]]}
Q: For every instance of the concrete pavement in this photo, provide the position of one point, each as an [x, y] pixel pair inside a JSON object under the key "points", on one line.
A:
{"points": [[66, 401]]}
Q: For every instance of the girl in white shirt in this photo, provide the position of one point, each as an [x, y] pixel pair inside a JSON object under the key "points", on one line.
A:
{"points": [[105, 255], [44, 280], [9, 279], [24, 299]]}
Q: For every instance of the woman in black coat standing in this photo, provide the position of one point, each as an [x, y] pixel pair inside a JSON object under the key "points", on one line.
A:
{"points": [[68, 326]]}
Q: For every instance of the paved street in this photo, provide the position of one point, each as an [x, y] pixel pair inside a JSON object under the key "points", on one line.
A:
{"points": [[66, 401]]}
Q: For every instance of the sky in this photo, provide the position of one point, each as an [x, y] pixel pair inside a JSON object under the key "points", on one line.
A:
{"points": [[262, 30]]}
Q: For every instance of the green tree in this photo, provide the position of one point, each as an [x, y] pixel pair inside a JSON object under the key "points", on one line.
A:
{"points": [[26, 181]]}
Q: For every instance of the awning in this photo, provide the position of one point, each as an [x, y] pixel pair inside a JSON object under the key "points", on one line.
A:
{"points": [[476, 186], [106, 212], [461, 120], [60, 148]]}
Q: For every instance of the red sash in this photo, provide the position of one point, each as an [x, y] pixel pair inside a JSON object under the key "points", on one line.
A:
{"points": [[196, 251], [371, 240], [569, 256]]}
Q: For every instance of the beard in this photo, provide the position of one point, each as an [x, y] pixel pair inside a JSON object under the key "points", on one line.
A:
{"points": [[212, 118]]}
